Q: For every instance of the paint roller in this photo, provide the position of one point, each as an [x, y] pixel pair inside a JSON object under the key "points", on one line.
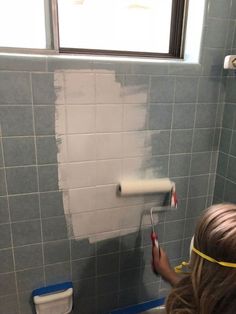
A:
{"points": [[137, 187]]}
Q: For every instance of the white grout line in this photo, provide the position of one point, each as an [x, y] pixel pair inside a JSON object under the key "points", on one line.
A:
{"points": [[37, 173]]}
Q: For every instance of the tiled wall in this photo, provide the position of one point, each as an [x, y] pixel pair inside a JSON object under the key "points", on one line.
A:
{"points": [[35, 248], [225, 185]]}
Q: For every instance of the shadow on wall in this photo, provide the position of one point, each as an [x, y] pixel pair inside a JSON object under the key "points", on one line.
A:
{"points": [[119, 276]]}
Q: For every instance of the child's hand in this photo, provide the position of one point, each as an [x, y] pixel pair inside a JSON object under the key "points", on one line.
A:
{"points": [[161, 265]]}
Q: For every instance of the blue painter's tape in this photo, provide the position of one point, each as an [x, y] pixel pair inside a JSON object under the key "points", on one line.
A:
{"points": [[140, 307], [54, 288]]}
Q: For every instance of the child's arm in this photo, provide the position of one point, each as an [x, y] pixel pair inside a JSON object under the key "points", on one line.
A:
{"points": [[162, 266]]}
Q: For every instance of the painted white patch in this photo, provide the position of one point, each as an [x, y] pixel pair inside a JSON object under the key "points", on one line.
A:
{"points": [[102, 139]]}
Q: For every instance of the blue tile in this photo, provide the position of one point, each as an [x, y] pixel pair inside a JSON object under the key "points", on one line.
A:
{"points": [[23, 63], [2, 183], [8, 304], [84, 268], [215, 33], [130, 241], [107, 264], [174, 230], [54, 228], [222, 164], [4, 214], [6, 261], [19, 151], [208, 90], [179, 165], [44, 120], [183, 117], [48, 178], [160, 116], [160, 142], [26, 302], [56, 251], [1, 154], [28, 256], [130, 278], [24, 207], [195, 206], [181, 141], [198, 185], [46, 150], [219, 9], [213, 61], [21, 180], [108, 302], [108, 246], [43, 88], [225, 140], [162, 89], [186, 89], [82, 248], [203, 140], [231, 173], [230, 195], [55, 63], [30, 279], [16, 121], [130, 259], [200, 163], [7, 284], [206, 115], [107, 284], [233, 145], [229, 118], [230, 90], [15, 88], [27, 232], [190, 226], [58, 273], [51, 204], [5, 236]]}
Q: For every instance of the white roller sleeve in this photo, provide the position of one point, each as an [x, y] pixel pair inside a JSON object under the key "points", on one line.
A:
{"points": [[135, 187]]}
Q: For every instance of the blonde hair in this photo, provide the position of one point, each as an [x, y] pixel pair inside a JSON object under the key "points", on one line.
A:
{"points": [[209, 288]]}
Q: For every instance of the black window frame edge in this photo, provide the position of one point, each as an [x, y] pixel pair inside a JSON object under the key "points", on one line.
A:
{"points": [[176, 45]]}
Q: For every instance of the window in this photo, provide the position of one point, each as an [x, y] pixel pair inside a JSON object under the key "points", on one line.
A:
{"points": [[152, 28], [22, 24], [123, 27]]}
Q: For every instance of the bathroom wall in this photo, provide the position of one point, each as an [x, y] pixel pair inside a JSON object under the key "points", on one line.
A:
{"points": [[172, 131], [225, 186]]}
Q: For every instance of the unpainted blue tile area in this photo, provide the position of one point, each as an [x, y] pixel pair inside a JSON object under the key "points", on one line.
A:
{"points": [[186, 89], [21, 231], [57, 273], [162, 89], [43, 88], [19, 151], [28, 256], [21, 180], [6, 261], [4, 212], [24, 207], [15, 88], [16, 120]]}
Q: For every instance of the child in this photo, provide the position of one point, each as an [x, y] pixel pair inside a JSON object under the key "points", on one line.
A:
{"points": [[210, 287]]}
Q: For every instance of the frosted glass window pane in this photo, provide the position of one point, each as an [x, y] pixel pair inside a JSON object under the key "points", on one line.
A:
{"points": [[123, 25], [22, 24]]}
